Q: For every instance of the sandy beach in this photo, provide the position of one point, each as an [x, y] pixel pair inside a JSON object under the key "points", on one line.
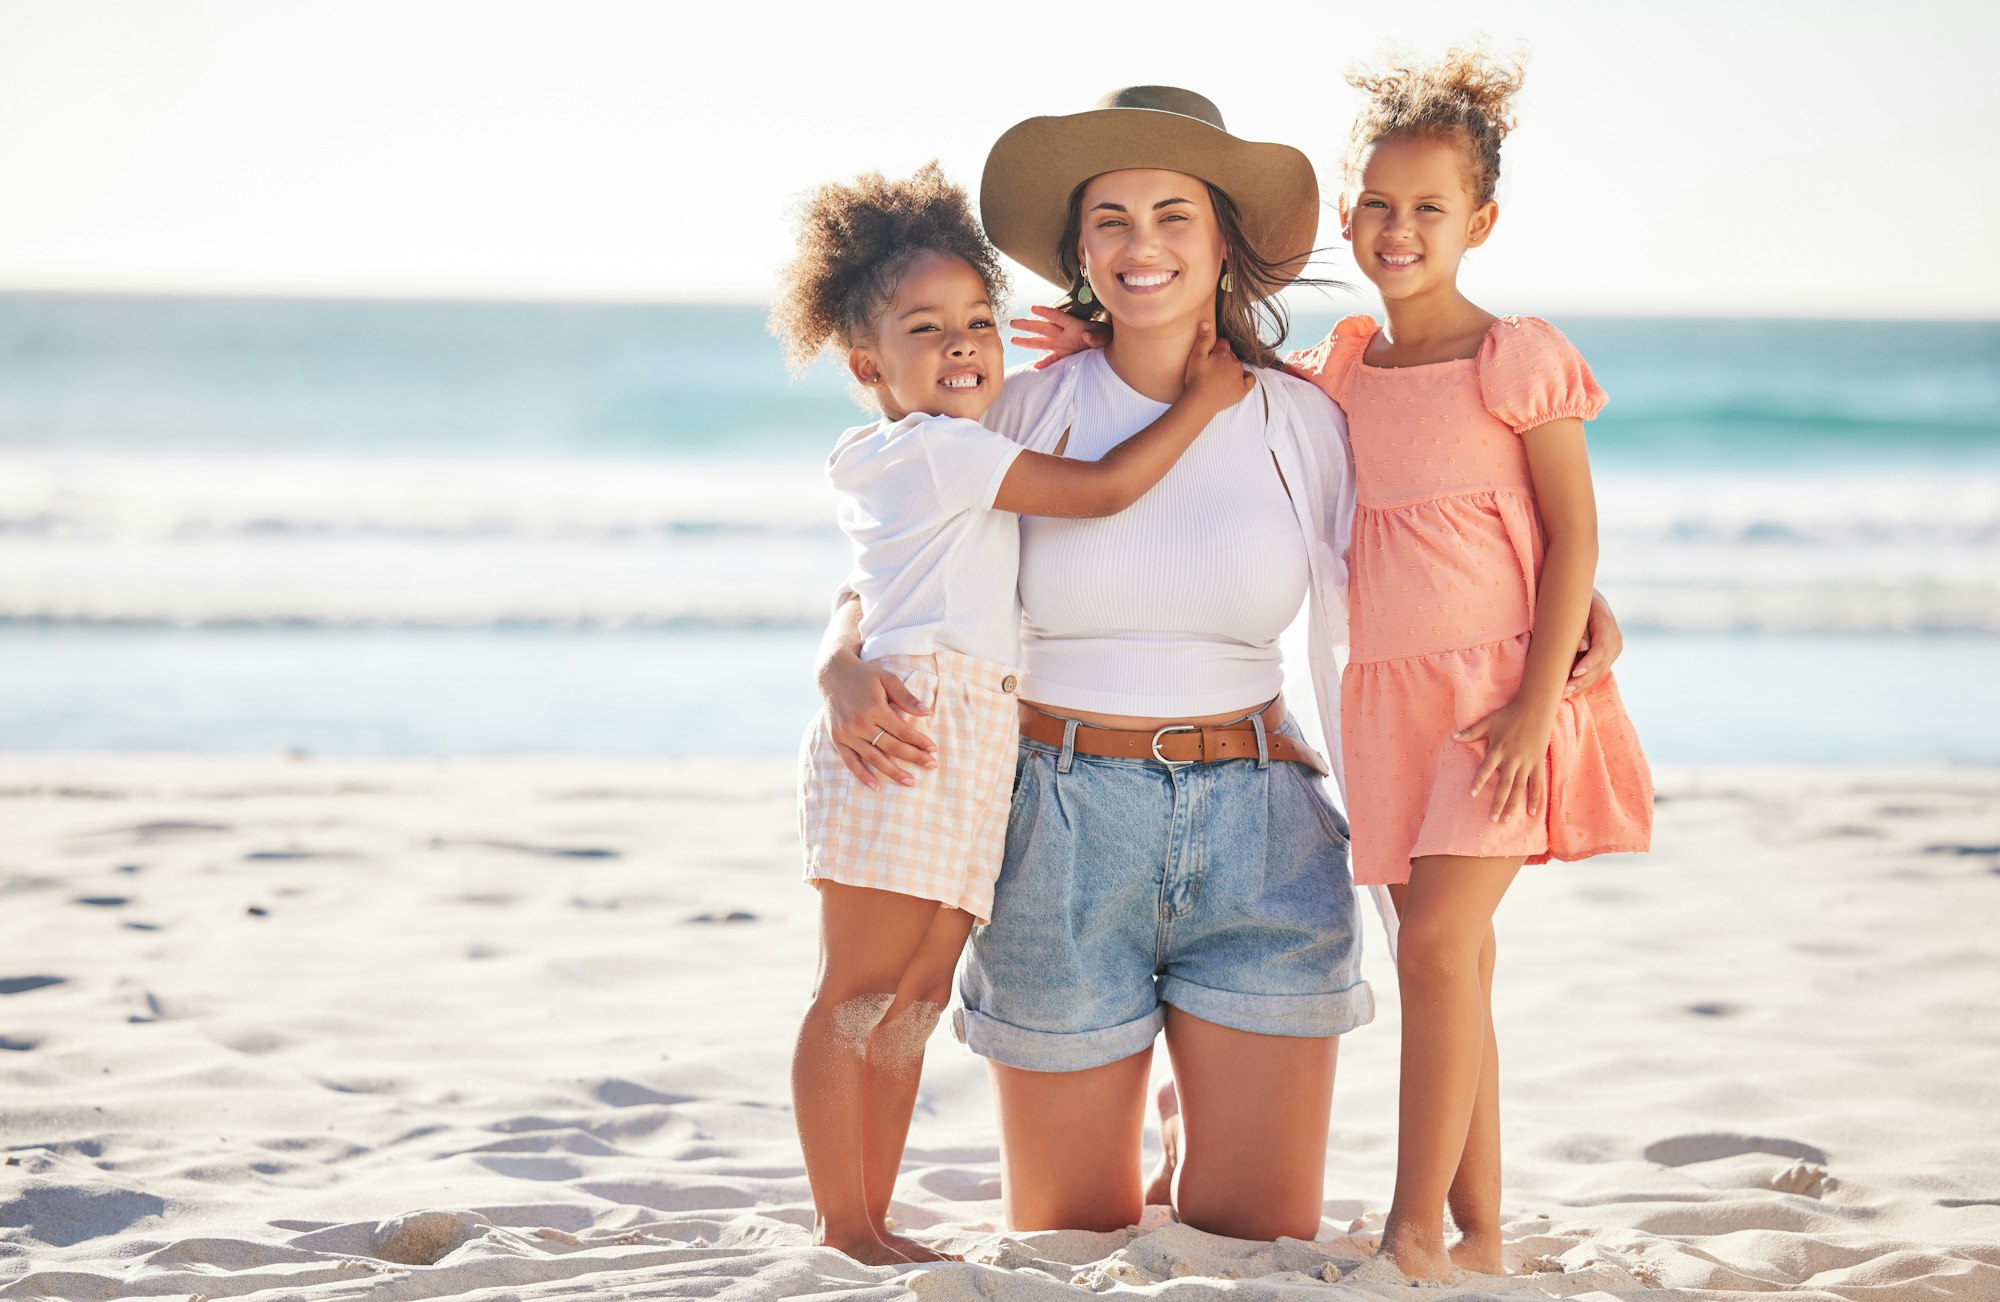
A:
{"points": [[399, 1030]]}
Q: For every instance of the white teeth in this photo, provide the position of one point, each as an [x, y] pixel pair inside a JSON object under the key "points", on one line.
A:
{"points": [[1400, 259], [961, 382], [1147, 280]]}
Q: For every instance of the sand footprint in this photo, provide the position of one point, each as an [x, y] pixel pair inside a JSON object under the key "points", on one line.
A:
{"points": [[166, 829], [425, 1238], [525, 847], [22, 984], [1686, 1150], [621, 1093]]}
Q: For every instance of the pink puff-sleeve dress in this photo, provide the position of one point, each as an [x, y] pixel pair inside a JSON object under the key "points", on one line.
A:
{"points": [[1446, 560]]}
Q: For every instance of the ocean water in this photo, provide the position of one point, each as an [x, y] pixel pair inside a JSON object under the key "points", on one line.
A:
{"points": [[428, 528]]}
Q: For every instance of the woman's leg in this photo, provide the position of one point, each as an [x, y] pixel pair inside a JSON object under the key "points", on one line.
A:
{"points": [[1445, 914], [1254, 1112], [1475, 1191], [1069, 1144], [896, 1063], [868, 939]]}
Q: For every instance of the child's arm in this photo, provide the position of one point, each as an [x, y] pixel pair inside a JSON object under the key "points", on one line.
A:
{"points": [[1517, 734], [1040, 484], [1057, 334]]}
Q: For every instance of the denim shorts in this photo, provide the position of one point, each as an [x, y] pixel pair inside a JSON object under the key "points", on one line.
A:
{"points": [[1220, 888]]}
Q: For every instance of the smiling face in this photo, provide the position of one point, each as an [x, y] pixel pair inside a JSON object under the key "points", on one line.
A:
{"points": [[1414, 216], [1151, 247], [935, 347]]}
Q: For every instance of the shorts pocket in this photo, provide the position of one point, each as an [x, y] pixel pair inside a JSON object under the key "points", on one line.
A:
{"points": [[922, 680], [1024, 759], [1315, 794]]}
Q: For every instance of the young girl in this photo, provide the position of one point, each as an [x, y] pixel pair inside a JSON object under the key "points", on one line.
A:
{"points": [[1475, 545], [1468, 750], [898, 276]]}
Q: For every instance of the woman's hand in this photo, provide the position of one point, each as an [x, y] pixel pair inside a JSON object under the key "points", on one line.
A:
{"points": [[1517, 756], [1602, 643], [1057, 333], [868, 712]]}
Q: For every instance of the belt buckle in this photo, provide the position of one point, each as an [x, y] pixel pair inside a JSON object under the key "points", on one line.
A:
{"points": [[1172, 727]]}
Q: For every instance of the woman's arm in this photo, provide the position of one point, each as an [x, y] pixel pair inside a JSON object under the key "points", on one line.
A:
{"points": [[1517, 734], [867, 709], [1040, 484], [1603, 642]]}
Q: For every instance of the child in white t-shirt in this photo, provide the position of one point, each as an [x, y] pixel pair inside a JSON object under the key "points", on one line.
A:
{"points": [[898, 274]]}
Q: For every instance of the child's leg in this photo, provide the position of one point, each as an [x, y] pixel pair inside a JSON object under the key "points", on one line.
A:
{"points": [[1475, 1191], [867, 941], [896, 1064], [1444, 914]]}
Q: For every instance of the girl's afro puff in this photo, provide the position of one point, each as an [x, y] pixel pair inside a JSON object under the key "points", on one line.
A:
{"points": [[1466, 94], [855, 240]]}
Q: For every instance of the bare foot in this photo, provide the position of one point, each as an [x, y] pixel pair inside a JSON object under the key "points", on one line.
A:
{"points": [[1427, 1263], [1160, 1189], [913, 1250], [866, 1249], [1478, 1255]]}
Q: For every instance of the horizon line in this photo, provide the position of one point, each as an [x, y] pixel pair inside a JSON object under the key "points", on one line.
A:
{"points": [[517, 297]]}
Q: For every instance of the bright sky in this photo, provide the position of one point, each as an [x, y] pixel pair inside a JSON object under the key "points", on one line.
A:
{"points": [[1751, 156]]}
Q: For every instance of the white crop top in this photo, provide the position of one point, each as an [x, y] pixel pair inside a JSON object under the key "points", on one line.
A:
{"points": [[1174, 606]]}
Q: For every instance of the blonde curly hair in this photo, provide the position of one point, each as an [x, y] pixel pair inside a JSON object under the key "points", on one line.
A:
{"points": [[855, 241], [1464, 96]]}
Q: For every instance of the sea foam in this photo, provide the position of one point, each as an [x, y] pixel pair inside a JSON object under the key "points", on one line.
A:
{"points": [[198, 541]]}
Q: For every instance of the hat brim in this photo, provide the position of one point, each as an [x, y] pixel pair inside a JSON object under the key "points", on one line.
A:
{"points": [[1032, 169]]}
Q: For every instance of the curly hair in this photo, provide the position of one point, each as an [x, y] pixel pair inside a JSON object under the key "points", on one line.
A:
{"points": [[855, 242], [1464, 96]]}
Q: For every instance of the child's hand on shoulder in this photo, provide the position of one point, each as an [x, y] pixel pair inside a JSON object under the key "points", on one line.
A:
{"points": [[1215, 379], [1056, 333]]}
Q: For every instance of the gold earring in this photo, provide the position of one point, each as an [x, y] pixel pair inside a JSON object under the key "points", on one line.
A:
{"points": [[1083, 295], [1225, 278]]}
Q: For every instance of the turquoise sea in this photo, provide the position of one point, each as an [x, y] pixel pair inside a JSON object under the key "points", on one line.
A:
{"points": [[377, 528]]}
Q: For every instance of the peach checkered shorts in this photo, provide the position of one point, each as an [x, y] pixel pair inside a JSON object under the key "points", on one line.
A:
{"points": [[942, 838]]}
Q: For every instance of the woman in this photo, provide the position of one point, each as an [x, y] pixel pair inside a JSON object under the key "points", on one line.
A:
{"points": [[1172, 859]]}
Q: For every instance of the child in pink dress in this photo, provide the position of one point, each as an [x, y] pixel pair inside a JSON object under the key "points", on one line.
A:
{"points": [[1474, 552], [1448, 550]]}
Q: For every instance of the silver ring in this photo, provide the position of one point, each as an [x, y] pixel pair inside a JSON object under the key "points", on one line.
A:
{"points": [[878, 736]]}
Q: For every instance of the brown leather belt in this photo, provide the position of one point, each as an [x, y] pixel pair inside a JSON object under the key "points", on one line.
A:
{"points": [[1177, 743]]}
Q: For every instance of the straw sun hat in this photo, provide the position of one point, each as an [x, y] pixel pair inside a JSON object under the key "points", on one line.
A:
{"points": [[1024, 194]]}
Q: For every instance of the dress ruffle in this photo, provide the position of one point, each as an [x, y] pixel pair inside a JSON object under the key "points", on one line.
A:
{"points": [[1414, 798], [1443, 573]]}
